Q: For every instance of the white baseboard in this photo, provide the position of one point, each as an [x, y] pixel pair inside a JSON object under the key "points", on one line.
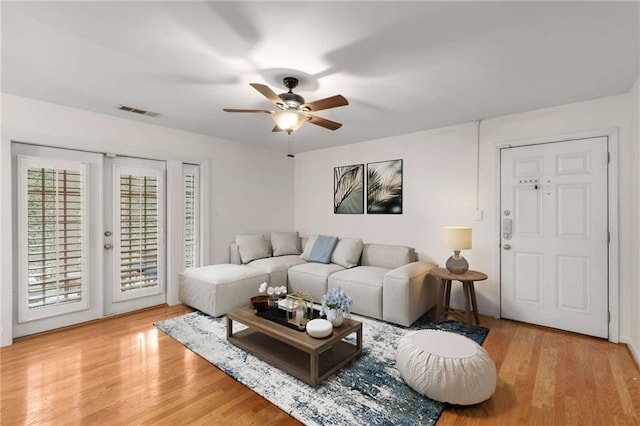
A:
{"points": [[635, 353]]}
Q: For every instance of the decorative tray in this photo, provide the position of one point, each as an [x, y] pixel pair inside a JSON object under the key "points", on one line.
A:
{"points": [[280, 316]]}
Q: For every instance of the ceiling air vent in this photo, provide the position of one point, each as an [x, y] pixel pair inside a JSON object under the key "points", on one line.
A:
{"points": [[137, 111]]}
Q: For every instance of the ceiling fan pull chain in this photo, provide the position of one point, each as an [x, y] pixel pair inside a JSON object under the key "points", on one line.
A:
{"points": [[290, 154]]}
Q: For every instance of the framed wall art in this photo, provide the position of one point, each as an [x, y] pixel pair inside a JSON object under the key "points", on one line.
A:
{"points": [[384, 187], [348, 189]]}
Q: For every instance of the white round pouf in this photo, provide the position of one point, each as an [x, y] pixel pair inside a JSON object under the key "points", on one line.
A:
{"points": [[446, 367], [319, 328]]}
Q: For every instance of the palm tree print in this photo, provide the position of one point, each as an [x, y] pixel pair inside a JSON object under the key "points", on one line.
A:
{"points": [[348, 189], [384, 187]]}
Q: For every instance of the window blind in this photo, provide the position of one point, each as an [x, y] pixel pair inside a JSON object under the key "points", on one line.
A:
{"points": [[191, 216], [139, 235], [55, 236]]}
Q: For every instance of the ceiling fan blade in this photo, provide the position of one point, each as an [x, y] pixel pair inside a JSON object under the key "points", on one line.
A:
{"points": [[276, 129], [326, 103], [247, 110], [323, 122], [267, 92]]}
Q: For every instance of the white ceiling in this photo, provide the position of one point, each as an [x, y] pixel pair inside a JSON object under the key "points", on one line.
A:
{"points": [[403, 66]]}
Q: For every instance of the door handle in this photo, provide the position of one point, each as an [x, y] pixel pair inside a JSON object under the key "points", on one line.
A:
{"points": [[506, 247], [108, 246]]}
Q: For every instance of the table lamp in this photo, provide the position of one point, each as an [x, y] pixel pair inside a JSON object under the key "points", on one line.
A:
{"points": [[457, 238]]}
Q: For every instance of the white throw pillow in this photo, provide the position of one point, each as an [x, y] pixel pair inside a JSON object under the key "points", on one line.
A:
{"points": [[347, 252], [253, 247], [285, 243]]}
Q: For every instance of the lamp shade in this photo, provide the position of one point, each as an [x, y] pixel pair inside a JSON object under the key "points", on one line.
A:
{"points": [[289, 121], [457, 237]]}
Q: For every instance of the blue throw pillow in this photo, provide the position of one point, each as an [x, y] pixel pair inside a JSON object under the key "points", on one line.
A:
{"points": [[322, 249]]}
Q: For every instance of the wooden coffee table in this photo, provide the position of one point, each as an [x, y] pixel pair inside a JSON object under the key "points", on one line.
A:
{"points": [[295, 352]]}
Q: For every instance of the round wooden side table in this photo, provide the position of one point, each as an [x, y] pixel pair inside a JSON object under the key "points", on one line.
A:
{"points": [[444, 294]]}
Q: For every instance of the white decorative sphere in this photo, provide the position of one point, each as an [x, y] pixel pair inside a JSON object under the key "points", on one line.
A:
{"points": [[319, 328]]}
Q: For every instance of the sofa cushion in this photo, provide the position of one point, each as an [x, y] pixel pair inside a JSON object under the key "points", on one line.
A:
{"points": [[284, 243], [364, 285], [253, 247], [347, 252], [218, 289], [311, 278], [276, 267], [387, 256], [319, 248]]}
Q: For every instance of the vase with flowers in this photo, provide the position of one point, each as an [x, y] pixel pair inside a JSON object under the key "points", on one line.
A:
{"points": [[336, 305], [274, 293]]}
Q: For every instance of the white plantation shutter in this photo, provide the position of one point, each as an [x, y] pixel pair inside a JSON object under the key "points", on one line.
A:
{"points": [[53, 244], [138, 204], [191, 215]]}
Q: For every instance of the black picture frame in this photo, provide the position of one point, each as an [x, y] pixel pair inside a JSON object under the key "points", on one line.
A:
{"points": [[348, 189], [384, 187]]}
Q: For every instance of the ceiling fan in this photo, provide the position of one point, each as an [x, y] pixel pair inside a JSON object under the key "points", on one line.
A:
{"points": [[293, 111]]}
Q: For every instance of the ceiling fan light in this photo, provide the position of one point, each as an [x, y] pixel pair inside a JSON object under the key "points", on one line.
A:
{"points": [[289, 121]]}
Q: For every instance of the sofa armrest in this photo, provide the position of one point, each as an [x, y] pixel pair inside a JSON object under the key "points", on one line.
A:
{"points": [[411, 270], [234, 254], [405, 293]]}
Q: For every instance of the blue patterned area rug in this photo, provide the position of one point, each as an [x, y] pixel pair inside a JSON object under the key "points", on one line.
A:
{"points": [[367, 391]]}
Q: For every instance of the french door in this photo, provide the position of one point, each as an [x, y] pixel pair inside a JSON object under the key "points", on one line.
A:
{"points": [[134, 239], [58, 278], [89, 238], [554, 235]]}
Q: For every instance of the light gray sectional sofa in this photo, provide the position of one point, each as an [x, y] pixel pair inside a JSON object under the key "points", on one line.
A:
{"points": [[385, 282]]}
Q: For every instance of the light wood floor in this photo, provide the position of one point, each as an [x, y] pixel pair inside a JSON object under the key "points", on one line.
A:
{"points": [[125, 371]]}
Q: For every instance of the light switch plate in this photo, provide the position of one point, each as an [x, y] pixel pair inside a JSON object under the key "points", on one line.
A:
{"points": [[478, 215]]}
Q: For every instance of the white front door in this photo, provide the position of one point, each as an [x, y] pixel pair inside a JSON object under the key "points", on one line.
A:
{"points": [[554, 235], [134, 234]]}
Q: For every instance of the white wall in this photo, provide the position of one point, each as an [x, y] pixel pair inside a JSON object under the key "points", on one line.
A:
{"points": [[250, 188], [634, 342], [440, 188]]}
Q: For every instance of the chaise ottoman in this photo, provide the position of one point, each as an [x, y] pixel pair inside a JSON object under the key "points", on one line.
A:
{"points": [[218, 289], [446, 367]]}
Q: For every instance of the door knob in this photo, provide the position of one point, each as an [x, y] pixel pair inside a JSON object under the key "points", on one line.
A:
{"points": [[108, 246], [506, 247]]}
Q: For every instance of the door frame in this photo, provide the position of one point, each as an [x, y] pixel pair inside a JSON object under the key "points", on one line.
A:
{"points": [[613, 210]]}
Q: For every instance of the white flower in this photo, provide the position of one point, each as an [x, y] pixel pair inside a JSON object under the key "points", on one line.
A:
{"points": [[271, 291]]}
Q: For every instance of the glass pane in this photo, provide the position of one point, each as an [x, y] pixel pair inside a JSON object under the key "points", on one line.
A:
{"points": [[138, 232], [191, 219], [55, 239]]}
